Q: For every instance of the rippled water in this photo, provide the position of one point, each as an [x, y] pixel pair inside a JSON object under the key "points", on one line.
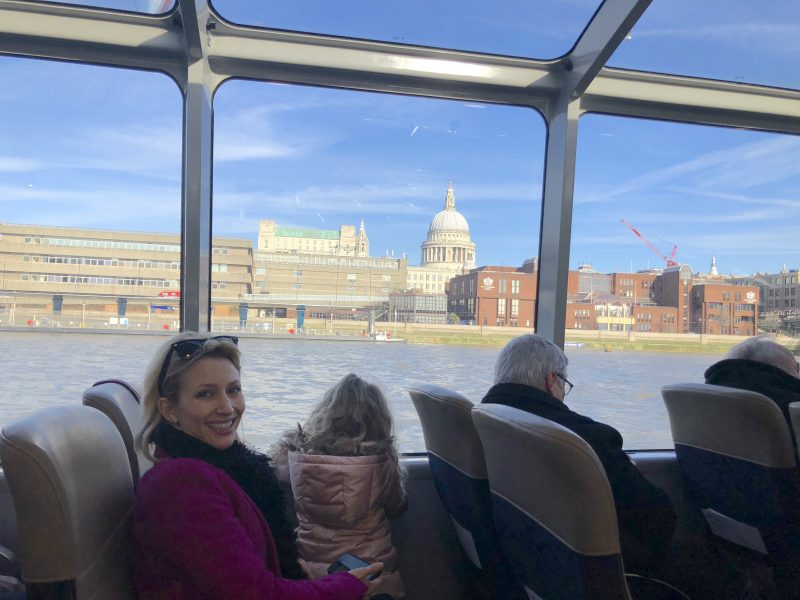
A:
{"points": [[284, 378]]}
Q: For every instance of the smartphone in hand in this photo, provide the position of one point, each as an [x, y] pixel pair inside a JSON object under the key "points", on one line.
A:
{"points": [[348, 562]]}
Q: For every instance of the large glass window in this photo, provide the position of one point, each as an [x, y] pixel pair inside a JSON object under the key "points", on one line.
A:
{"points": [[543, 29], [90, 177], [678, 221], [152, 7], [346, 204], [734, 40]]}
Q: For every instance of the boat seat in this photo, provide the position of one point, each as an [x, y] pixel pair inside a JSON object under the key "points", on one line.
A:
{"points": [[121, 402], [794, 416], [458, 469], [70, 480], [739, 465], [554, 510]]}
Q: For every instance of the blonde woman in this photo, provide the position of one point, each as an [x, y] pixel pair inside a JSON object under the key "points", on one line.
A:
{"points": [[209, 518]]}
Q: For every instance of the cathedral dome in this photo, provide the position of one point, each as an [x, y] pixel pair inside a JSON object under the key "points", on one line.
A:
{"points": [[449, 246], [449, 219]]}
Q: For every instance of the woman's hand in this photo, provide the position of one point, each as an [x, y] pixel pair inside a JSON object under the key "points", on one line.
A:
{"points": [[306, 569], [364, 572]]}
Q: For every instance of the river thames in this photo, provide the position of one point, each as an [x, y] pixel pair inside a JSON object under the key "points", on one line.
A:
{"points": [[283, 378]]}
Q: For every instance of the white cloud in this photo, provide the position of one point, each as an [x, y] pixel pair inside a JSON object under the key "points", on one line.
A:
{"points": [[776, 36], [10, 164], [744, 166]]}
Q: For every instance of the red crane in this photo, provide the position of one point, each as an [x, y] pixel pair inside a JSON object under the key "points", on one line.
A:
{"points": [[670, 260]]}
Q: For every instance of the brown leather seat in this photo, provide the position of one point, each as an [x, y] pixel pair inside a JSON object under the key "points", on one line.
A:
{"points": [[72, 487]]}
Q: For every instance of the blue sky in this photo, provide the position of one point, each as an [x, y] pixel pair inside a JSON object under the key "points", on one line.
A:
{"points": [[95, 147]]}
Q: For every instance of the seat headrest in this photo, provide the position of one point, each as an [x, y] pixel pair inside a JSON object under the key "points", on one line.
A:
{"points": [[120, 402], [551, 474], [70, 479], [448, 429], [737, 423]]}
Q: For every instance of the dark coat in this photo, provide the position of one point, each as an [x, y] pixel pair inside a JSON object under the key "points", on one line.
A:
{"points": [[776, 384], [645, 515], [197, 535]]}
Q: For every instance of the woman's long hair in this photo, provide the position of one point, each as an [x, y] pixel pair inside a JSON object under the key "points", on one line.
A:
{"points": [[353, 419], [215, 348]]}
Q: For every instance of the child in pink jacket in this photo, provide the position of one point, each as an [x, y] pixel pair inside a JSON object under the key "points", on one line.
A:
{"points": [[347, 481]]}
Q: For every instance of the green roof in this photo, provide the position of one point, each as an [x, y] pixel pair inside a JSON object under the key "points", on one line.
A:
{"points": [[297, 232]]}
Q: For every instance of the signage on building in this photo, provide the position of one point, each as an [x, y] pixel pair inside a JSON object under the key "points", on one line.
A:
{"points": [[751, 296], [488, 283], [169, 294]]}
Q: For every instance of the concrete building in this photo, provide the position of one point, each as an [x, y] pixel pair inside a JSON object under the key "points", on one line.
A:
{"points": [[321, 281], [778, 292], [297, 240], [101, 271], [414, 306]]}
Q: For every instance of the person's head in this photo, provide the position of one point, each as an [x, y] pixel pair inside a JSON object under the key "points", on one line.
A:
{"points": [[763, 349], [193, 384], [352, 412], [535, 361]]}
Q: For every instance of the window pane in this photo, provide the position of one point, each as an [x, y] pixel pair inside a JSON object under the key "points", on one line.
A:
{"points": [[151, 7], [733, 40], [362, 207], [90, 175], [543, 29], [720, 203]]}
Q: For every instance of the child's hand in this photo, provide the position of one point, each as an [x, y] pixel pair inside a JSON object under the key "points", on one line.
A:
{"points": [[363, 574]]}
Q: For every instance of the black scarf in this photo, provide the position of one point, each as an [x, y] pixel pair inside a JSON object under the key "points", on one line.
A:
{"points": [[254, 474]]}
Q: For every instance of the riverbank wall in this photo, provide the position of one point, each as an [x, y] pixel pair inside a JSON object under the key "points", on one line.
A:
{"points": [[440, 334]]}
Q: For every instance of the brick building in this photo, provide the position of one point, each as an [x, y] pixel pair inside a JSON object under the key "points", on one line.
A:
{"points": [[498, 296]]}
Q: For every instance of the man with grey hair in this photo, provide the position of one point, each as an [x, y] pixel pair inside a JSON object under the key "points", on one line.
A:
{"points": [[760, 365], [531, 375]]}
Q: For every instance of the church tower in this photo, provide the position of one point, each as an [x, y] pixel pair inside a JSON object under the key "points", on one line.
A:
{"points": [[362, 241]]}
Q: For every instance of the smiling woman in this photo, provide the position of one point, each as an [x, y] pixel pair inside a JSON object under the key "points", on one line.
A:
{"points": [[209, 520]]}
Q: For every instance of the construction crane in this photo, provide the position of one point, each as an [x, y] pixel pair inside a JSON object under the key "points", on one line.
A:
{"points": [[670, 260]]}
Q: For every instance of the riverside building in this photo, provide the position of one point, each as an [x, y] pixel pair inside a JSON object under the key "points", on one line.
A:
{"points": [[95, 273], [447, 251], [674, 300]]}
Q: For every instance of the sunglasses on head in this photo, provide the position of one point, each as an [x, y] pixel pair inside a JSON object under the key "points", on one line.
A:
{"points": [[186, 349]]}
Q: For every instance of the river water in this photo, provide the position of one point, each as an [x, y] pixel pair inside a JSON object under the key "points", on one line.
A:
{"points": [[283, 378]]}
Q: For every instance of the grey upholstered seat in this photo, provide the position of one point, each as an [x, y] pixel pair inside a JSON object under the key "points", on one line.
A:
{"points": [[121, 402], [553, 506], [739, 465], [794, 415], [458, 469], [71, 483]]}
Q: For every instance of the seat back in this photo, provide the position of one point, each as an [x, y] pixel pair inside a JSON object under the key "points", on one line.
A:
{"points": [[121, 402], [738, 462], [70, 480], [794, 415], [553, 506], [458, 469]]}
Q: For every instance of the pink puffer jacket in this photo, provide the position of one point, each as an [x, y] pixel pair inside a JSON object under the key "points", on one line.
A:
{"points": [[344, 504]]}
